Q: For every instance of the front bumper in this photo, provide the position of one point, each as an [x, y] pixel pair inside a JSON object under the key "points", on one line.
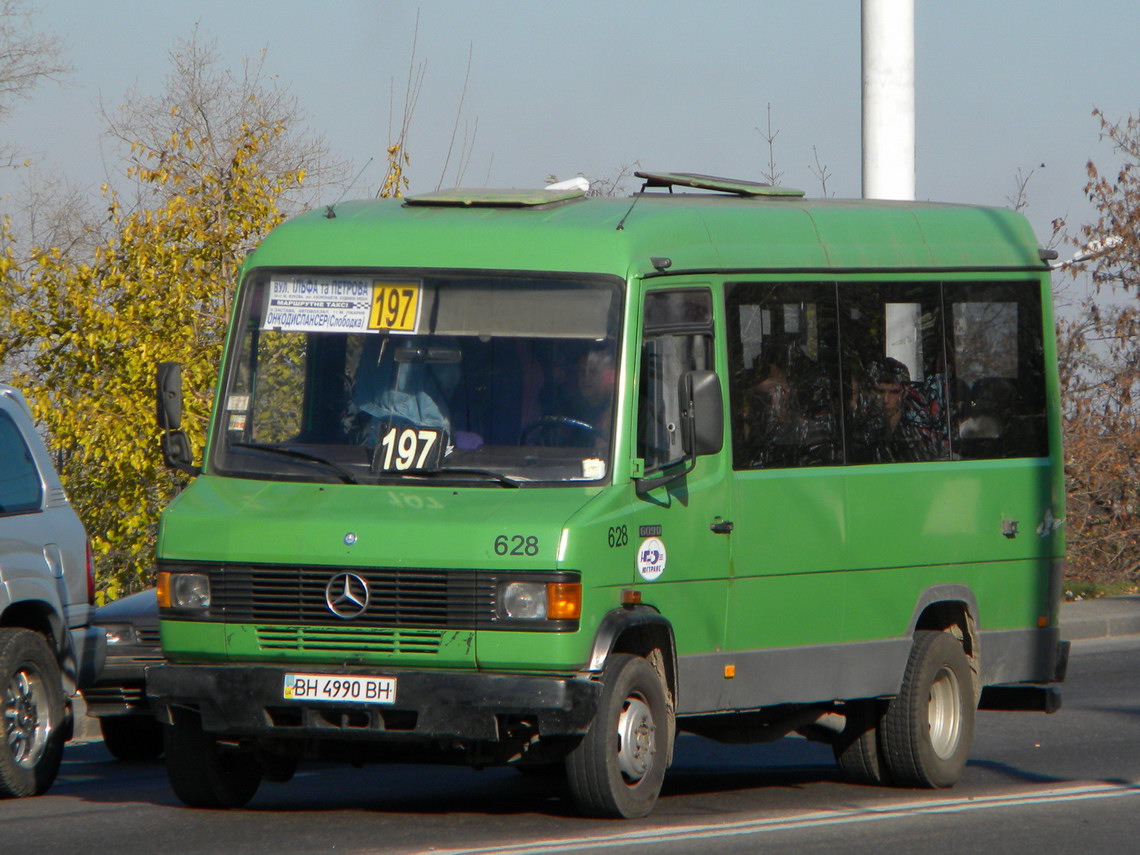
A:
{"points": [[246, 701], [88, 652]]}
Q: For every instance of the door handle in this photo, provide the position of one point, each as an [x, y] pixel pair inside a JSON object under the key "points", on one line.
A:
{"points": [[721, 526]]}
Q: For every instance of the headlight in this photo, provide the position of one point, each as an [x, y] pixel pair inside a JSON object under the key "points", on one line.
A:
{"points": [[541, 600], [524, 600], [120, 633], [183, 590]]}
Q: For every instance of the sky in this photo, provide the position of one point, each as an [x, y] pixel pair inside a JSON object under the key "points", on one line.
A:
{"points": [[587, 87]]}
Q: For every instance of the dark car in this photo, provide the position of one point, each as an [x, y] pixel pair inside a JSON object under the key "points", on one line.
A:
{"points": [[118, 698]]}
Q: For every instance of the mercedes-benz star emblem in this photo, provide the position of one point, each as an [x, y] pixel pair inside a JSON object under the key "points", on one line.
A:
{"points": [[347, 595]]}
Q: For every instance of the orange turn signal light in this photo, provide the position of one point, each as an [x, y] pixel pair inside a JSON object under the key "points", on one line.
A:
{"points": [[563, 600], [162, 588]]}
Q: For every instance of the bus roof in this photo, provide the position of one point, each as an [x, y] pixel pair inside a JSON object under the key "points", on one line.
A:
{"points": [[650, 233]]}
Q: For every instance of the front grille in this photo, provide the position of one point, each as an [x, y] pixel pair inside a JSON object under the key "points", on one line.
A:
{"points": [[326, 639], [148, 636], [398, 597]]}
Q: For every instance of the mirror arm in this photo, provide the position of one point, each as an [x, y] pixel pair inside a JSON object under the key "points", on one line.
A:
{"points": [[644, 485], [176, 450]]}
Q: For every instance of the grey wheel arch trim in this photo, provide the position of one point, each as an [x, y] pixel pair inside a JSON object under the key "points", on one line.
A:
{"points": [[945, 594], [618, 622]]}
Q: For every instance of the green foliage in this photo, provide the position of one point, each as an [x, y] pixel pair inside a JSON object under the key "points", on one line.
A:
{"points": [[90, 332]]}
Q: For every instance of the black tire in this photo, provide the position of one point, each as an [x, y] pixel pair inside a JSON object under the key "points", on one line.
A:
{"points": [[857, 749], [204, 773], [32, 709], [618, 767], [928, 728], [132, 737], [277, 768]]}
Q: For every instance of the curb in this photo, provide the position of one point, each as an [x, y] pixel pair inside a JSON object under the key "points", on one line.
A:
{"points": [[1104, 618]]}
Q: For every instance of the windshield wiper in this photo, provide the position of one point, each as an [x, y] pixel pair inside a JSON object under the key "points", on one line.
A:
{"points": [[302, 456], [465, 470]]}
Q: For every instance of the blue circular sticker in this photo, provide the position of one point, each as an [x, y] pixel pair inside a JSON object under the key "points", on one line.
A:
{"points": [[651, 558]]}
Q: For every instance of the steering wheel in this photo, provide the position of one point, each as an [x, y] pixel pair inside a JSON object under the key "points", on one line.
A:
{"points": [[552, 424]]}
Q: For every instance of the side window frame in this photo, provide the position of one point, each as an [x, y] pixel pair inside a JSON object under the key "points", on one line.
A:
{"points": [[784, 374], [894, 371], [913, 339], [1001, 412], [677, 336]]}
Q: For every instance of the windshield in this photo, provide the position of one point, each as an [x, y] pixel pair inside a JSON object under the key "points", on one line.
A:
{"points": [[368, 378]]}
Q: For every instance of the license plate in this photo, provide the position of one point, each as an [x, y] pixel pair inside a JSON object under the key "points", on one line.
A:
{"points": [[338, 687]]}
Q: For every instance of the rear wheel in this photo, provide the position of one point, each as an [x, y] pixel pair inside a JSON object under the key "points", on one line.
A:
{"points": [[132, 737], [929, 727], [33, 714], [857, 748], [618, 767], [205, 773]]}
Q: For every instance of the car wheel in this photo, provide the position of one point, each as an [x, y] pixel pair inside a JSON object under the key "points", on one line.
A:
{"points": [[203, 772], [33, 714], [857, 749], [929, 726], [132, 737], [618, 767]]}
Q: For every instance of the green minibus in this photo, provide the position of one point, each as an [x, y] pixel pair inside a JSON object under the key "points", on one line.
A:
{"points": [[529, 478]]}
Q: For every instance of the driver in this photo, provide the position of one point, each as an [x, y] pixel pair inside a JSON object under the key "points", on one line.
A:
{"points": [[582, 413], [591, 398]]}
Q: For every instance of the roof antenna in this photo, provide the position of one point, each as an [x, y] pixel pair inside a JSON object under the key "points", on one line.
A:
{"points": [[637, 196], [330, 213]]}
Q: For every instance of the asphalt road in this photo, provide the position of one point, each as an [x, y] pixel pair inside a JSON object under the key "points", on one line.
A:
{"points": [[1035, 783]]}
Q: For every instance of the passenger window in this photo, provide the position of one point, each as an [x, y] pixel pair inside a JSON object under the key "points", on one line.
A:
{"points": [[997, 359], [894, 373], [824, 373], [677, 338], [20, 488], [784, 383]]}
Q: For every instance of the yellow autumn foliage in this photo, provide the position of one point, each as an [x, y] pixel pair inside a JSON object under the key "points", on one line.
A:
{"points": [[92, 330]]}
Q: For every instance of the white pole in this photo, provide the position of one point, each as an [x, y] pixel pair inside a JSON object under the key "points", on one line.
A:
{"points": [[888, 99]]}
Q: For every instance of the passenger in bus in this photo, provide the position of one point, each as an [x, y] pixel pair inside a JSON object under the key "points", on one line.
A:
{"points": [[890, 420], [790, 420], [767, 412]]}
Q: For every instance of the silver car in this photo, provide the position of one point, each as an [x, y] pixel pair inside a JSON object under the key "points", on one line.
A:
{"points": [[48, 649]]}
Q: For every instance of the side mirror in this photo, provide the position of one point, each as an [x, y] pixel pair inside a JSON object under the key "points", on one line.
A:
{"points": [[176, 450], [702, 424], [702, 413], [169, 395]]}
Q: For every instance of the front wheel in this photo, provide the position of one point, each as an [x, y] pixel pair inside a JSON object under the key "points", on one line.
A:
{"points": [[618, 767], [32, 712], [205, 773], [929, 726]]}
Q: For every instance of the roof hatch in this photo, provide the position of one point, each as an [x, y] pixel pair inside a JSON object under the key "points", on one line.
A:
{"points": [[491, 198], [736, 186]]}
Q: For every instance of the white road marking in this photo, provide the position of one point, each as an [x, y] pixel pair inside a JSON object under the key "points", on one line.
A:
{"points": [[814, 819]]}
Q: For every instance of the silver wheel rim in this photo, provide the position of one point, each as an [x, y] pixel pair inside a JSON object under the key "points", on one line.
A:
{"points": [[27, 720], [637, 739], [944, 713]]}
